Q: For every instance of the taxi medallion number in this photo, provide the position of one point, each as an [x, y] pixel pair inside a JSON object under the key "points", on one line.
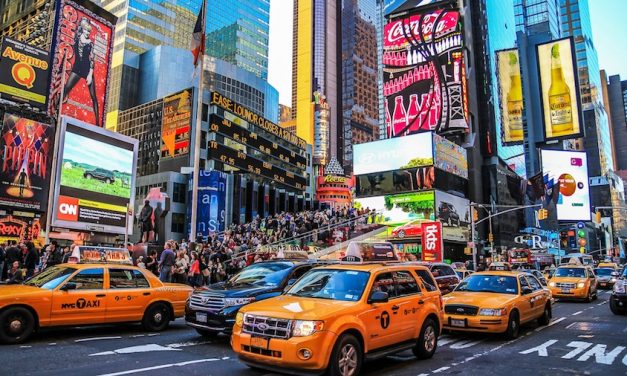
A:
{"points": [[259, 342], [201, 317], [458, 323]]}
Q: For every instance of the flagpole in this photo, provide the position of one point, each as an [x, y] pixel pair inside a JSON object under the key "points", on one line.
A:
{"points": [[53, 170], [197, 133]]}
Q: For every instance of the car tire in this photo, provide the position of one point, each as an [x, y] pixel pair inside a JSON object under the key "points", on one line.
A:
{"points": [[614, 308], [346, 357], [16, 325], [107, 181], [88, 176], [545, 319], [157, 317], [207, 333], [427, 341], [401, 234], [596, 294], [589, 297], [513, 326]]}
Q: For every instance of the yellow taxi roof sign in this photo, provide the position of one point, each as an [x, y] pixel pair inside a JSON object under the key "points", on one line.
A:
{"points": [[370, 252], [100, 255]]}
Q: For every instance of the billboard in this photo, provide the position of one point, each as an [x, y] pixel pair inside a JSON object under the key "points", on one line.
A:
{"points": [[176, 124], [454, 213], [568, 171], [432, 241], [211, 202], [393, 154], [96, 178], [424, 74], [25, 162], [82, 48], [24, 73], [450, 157], [397, 181], [401, 208], [510, 96], [559, 89]]}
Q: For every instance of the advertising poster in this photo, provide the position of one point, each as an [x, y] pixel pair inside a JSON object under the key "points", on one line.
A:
{"points": [[454, 213], [176, 124], [397, 181], [20, 229], [24, 73], [96, 178], [211, 202], [510, 96], [432, 241], [568, 172], [424, 80], [402, 208], [450, 157], [82, 48], [560, 89], [25, 161], [393, 154]]}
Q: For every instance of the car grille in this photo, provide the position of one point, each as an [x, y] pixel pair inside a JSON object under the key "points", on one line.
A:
{"points": [[267, 326], [565, 285], [460, 309], [210, 302]]}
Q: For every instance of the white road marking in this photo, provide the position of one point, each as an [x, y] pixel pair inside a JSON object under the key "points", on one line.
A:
{"points": [[600, 356], [541, 349], [464, 344], [52, 344], [441, 369], [187, 344], [579, 348], [138, 335], [577, 313], [162, 366], [600, 304], [445, 340], [153, 334], [550, 324], [136, 349], [96, 339], [586, 336]]}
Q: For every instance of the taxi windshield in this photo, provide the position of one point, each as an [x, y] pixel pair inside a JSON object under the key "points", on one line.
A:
{"points": [[335, 284], [604, 271], [489, 283], [570, 272], [51, 277], [263, 274]]}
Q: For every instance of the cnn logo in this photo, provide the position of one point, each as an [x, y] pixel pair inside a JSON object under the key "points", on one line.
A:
{"points": [[68, 209]]}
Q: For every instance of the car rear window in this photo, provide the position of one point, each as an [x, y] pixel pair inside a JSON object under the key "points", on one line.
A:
{"points": [[427, 279]]}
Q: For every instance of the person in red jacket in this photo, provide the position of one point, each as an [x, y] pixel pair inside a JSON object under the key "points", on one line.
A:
{"points": [[194, 271]]}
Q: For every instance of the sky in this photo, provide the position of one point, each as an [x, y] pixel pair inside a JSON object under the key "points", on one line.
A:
{"points": [[608, 27]]}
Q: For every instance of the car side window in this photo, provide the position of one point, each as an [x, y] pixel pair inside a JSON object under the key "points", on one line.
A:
{"points": [[533, 282], [523, 283], [384, 283], [89, 279], [405, 283], [299, 272], [427, 280], [127, 279], [443, 270]]}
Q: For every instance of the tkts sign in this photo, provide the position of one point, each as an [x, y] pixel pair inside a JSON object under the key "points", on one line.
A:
{"points": [[431, 241]]}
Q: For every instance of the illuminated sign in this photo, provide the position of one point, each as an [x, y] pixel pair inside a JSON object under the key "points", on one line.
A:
{"points": [[334, 179], [393, 154], [176, 124], [566, 177], [24, 73], [431, 241]]}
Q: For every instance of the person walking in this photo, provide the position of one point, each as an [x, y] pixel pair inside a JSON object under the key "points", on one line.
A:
{"points": [[194, 277], [166, 262], [31, 260]]}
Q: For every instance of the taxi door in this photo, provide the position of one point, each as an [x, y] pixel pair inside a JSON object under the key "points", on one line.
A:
{"points": [[81, 299], [382, 324], [529, 302], [540, 295], [410, 304], [128, 295]]}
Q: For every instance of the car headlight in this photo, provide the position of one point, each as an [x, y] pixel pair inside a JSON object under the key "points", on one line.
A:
{"points": [[492, 312], [619, 287], [303, 328], [239, 319], [552, 284], [581, 285], [612, 280], [232, 302]]}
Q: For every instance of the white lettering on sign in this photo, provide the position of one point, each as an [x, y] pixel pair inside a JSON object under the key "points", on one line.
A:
{"points": [[541, 349], [68, 209], [431, 237], [579, 348], [600, 356]]}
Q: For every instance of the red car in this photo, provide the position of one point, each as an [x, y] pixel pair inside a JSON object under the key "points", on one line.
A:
{"points": [[408, 230]]}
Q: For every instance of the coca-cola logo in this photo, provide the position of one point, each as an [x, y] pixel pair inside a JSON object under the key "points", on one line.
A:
{"points": [[399, 31], [431, 237]]}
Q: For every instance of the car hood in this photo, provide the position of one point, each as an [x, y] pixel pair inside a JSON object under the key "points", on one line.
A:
{"points": [[479, 299], [237, 291], [297, 308], [568, 279], [604, 278], [11, 292]]}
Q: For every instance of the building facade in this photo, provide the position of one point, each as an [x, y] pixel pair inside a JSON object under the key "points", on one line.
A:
{"points": [[29, 21], [616, 101]]}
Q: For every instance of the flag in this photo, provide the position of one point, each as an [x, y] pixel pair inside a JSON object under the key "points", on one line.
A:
{"points": [[198, 36]]}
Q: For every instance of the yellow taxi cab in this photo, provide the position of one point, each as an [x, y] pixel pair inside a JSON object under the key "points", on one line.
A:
{"points": [[104, 287], [611, 265], [574, 281], [337, 316], [500, 266], [497, 302]]}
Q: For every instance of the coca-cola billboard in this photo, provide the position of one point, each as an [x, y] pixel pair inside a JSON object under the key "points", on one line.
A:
{"points": [[431, 241], [424, 74]]}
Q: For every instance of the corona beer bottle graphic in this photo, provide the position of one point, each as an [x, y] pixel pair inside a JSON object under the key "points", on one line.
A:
{"points": [[514, 100], [559, 97]]}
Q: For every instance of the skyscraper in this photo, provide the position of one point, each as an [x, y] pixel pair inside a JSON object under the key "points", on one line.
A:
{"points": [[28, 21], [616, 101]]}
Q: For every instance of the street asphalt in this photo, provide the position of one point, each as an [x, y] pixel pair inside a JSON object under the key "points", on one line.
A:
{"points": [[582, 339]]}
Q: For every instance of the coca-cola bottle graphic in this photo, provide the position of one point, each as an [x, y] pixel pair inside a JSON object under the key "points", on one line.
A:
{"points": [[399, 118], [412, 113], [388, 119]]}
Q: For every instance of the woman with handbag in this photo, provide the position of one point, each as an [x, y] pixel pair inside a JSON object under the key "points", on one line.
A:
{"points": [[180, 269], [194, 277]]}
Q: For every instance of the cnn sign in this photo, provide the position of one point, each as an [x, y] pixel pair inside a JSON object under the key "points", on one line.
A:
{"points": [[432, 241]]}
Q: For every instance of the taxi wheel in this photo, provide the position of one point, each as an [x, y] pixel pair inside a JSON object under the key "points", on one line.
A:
{"points": [[156, 317], [17, 324], [346, 358], [589, 297], [614, 308], [545, 319], [513, 326], [427, 342]]}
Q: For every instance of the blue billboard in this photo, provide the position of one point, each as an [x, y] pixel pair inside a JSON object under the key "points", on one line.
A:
{"points": [[211, 202]]}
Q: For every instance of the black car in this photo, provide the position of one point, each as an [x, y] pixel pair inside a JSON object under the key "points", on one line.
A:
{"points": [[100, 174], [448, 214], [212, 310], [618, 299]]}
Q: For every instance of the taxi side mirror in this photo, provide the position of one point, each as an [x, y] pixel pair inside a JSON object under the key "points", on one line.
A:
{"points": [[527, 290], [68, 286], [378, 297]]}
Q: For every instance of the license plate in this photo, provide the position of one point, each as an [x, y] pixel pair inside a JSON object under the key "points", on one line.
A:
{"points": [[259, 342], [458, 323], [603, 284], [201, 317], [566, 291]]}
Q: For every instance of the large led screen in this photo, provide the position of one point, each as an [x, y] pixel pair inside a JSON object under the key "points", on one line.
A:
{"points": [[96, 178], [401, 208], [454, 213], [569, 171], [393, 154], [559, 89]]}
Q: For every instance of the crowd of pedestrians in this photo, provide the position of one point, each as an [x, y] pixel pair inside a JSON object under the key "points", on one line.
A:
{"points": [[19, 261]]}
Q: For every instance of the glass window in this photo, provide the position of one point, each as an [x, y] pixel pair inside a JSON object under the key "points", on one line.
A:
{"points": [[489, 283], [533, 283], [345, 285], [523, 282], [384, 283], [570, 272], [405, 283], [89, 279], [127, 279]]}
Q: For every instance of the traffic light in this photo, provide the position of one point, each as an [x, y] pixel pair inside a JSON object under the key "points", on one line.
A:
{"points": [[581, 234], [543, 214], [475, 214], [598, 217]]}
